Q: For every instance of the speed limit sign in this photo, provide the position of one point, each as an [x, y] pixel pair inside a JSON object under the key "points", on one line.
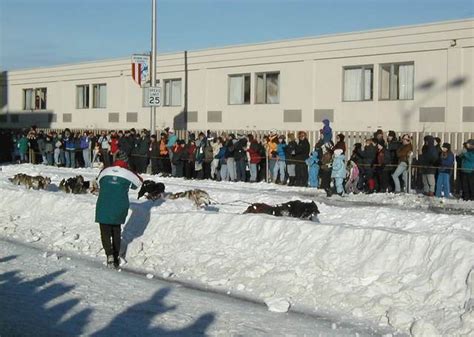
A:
{"points": [[154, 96]]}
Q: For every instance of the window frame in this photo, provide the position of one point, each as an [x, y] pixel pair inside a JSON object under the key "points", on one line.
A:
{"points": [[35, 92], [244, 75], [94, 103], [165, 93], [88, 96], [363, 67], [392, 81], [265, 86]]}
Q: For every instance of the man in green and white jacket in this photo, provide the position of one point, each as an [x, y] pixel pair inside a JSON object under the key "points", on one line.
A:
{"points": [[112, 205]]}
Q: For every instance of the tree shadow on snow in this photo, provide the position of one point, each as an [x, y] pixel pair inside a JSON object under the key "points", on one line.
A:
{"points": [[33, 308], [137, 320], [8, 258], [137, 222]]}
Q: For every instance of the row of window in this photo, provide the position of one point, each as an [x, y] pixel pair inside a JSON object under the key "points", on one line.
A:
{"points": [[396, 83]]}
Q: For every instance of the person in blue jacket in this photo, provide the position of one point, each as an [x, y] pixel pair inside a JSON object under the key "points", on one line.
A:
{"points": [[112, 205], [339, 170], [467, 170], [444, 171], [313, 168]]}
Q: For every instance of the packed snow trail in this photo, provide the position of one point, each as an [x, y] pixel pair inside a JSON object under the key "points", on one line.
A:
{"points": [[49, 294], [409, 269]]}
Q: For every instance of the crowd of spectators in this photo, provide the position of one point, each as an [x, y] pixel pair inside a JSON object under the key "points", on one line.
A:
{"points": [[379, 165]]}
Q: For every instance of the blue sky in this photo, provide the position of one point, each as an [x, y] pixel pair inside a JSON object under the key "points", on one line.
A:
{"points": [[47, 32]]}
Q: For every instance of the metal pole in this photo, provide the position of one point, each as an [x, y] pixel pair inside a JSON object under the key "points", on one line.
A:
{"points": [[153, 63]]}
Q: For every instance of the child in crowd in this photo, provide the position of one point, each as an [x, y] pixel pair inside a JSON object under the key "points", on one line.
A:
{"points": [[352, 177], [313, 168]]}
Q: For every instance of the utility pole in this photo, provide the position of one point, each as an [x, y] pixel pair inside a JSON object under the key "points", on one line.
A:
{"points": [[153, 64]]}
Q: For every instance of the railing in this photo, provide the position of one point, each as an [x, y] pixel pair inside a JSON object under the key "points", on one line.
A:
{"points": [[456, 139]]}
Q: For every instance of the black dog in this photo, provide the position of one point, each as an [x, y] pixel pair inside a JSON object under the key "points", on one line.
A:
{"points": [[151, 190], [75, 185], [295, 209]]}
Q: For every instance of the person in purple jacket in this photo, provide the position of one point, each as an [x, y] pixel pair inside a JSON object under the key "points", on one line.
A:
{"points": [[86, 149], [444, 171], [326, 131]]}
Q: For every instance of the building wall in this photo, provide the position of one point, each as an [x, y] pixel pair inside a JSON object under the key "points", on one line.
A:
{"points": [[311, 82]]}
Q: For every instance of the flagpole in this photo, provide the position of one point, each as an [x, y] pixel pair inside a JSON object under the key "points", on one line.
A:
{"points": [[153, 64]]}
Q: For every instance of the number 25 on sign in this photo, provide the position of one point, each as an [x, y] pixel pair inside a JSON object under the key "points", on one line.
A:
{"points": [[154, 96]]}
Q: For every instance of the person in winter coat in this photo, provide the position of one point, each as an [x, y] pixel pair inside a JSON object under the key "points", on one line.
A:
{"points": [[271, 147], [172, 139], [326, 132], [163, 160], [114, 145], [199, 154], [23, 148], [403, 154], [367, 164], [221, 171], [216, 145], [255, 157], [179, 158], [229, 157], [70, 149], [41, 147], [140, 152], [104, 142], [85, 145], [326, 165], [154, 154], [467, 169], [352, 178], [240, 157], [444, 171], [112, 205], [290, 159], [313, 168], [190, 149], [428, 160], [382, 171], [339, 171], [49, 149], [301, 154], [279, 171]]}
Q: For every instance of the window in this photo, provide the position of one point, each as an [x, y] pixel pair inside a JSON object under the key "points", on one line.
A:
{"points": [[82, 96], [239, 89], [99, 98], [267, 91], [34, 99], [396, 81], [172, 92], [358, 83]]}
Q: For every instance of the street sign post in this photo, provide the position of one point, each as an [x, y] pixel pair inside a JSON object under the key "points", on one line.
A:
{"points": [[154, 96]]}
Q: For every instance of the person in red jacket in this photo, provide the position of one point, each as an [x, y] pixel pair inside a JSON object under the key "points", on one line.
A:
{"points": [[114, 145], [255, 157]]}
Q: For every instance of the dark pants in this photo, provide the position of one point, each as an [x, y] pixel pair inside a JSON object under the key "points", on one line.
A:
{"points": [[301, 174], [468, 186], [155, 166], [110, 236], [240, 168], [105, 157], [382, 180], [325, 178]]}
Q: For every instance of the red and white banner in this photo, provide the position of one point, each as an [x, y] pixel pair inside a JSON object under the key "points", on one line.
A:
{"points": [[140, 68]]}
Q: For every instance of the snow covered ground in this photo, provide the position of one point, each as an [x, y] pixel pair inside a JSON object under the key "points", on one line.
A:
{"points": [[49, 294], [380, 260]]}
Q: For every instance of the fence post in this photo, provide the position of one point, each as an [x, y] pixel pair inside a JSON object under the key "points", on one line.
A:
{"points": [[267, 167], [410, 160]]}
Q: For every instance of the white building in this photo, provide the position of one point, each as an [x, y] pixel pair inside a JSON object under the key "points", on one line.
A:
{"points": [[413, 78]]}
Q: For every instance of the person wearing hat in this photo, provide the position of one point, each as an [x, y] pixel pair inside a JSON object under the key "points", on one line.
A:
{"points": [[112, 204], [467, 169], [85, 144], [444, 171]]}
